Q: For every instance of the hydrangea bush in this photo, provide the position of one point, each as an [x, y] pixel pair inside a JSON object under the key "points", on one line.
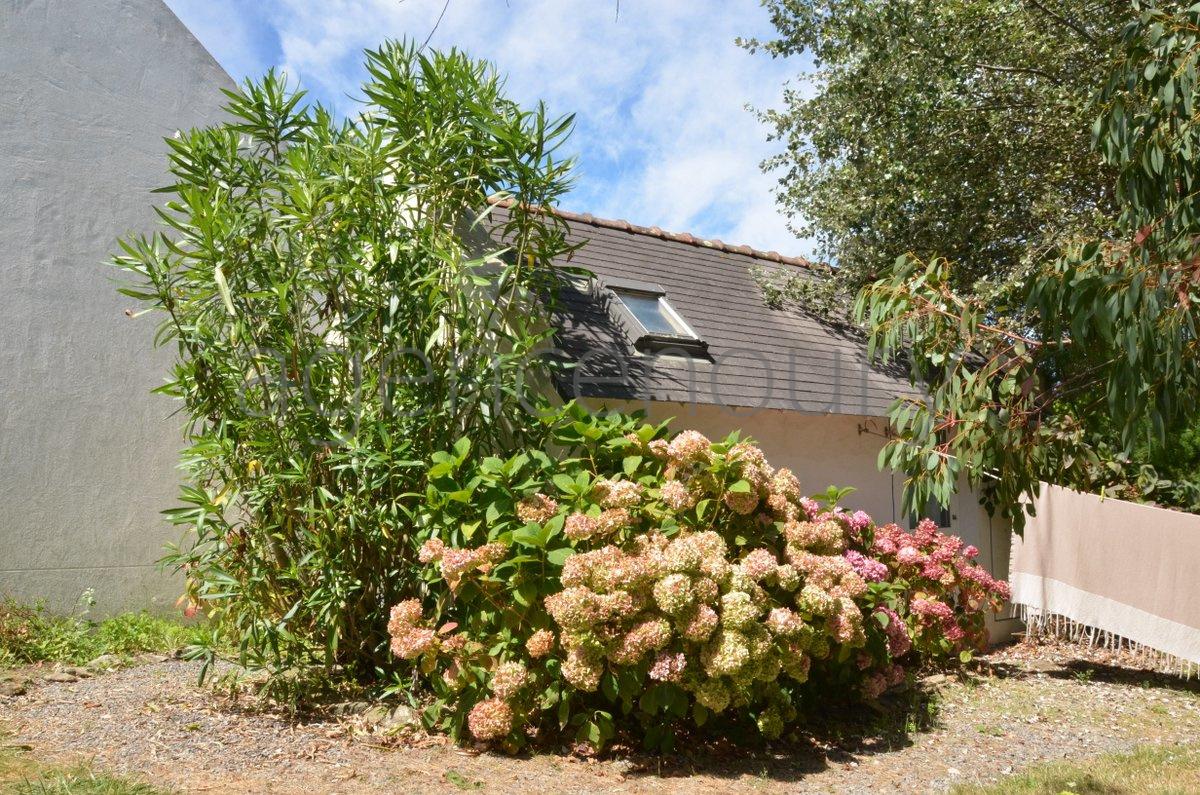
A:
{"points": [[643, 580]]}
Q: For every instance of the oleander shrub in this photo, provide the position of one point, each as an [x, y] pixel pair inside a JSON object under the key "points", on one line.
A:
{"points": [[630, 579], [343, 301]]}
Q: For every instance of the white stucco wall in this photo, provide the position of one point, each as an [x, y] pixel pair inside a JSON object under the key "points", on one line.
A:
{"points": [[89, 89], [838, 450]]}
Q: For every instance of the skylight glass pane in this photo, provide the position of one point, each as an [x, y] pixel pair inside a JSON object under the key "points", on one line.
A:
{"points": [[652, 313]]}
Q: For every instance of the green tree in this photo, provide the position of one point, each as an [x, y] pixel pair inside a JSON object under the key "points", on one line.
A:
{"points": [[955, 128], [1106, 336], [337, 320]]}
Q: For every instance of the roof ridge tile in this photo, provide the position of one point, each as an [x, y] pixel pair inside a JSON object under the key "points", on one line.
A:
{"points": [[622, 225]]}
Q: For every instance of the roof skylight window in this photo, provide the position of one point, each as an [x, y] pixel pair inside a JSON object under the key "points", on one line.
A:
{"points": [[654, 324]]}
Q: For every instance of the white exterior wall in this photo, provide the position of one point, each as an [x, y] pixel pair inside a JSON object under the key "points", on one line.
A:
{"points": [[838, 450], [87, 455]]}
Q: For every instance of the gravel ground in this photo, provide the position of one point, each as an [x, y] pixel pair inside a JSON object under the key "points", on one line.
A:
{"points": [[1021, 705]]}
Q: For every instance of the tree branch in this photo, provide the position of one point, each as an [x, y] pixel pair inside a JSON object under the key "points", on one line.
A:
{"points": [[1082, 31], [1019, 70]]}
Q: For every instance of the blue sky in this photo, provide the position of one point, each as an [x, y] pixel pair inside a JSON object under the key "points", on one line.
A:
{"points": [[660, 91]]}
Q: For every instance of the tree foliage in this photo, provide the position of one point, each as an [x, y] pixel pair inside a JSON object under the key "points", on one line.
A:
{"points": [[336, 322], [1106, 335], [953, 128]]}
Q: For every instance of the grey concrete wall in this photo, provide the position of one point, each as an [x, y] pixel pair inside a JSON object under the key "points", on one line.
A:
{"points": [[88, 90]]}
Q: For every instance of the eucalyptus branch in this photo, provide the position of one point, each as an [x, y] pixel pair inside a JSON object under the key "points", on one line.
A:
{"points": [[1062, 20]]}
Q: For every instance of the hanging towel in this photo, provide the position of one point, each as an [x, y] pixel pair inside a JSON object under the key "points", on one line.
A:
{"points": [[1118, 567]]}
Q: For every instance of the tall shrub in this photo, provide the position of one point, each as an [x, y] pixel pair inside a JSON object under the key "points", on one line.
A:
{"points": [[337, 320]]}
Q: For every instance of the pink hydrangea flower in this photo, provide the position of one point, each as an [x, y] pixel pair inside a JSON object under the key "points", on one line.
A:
{"points": [[403, 615], [490, 720], [689, 447], [899, 642], [668, 667], [612, 520], [760, 564], [582, 669], [874, 685], [786, 484], [617, 493], [859, 520], [931, 608], [784, 623], [673, 593], [869, 569], [412, 642], [455, 562], [431, 551], [677, 496], [699, 625], [740, 502], [754, 467], [579, 526], [508, 679], [540, 643], [536, 508]]}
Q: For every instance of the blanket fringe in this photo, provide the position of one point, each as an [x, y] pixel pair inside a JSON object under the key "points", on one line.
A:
{"points": [[1040, 623]]}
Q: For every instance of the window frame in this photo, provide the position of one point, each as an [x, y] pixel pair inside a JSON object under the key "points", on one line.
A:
{"points": [[687, 343], [937, 512]]}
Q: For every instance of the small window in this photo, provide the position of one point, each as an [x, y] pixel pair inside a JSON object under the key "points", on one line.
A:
{"points": [[654, 313], [653, 324], [935, 511]]}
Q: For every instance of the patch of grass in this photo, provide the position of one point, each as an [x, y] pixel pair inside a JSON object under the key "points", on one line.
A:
{"points": [[77, 781], [1160, 769], [461, 781], [31, 634], [13, 764], [21, 775]]}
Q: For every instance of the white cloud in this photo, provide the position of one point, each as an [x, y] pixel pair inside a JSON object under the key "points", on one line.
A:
{"points": [[659, 91]]}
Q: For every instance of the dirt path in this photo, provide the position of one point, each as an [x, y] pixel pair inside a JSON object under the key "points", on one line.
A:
{"points": [[1024, 705]]}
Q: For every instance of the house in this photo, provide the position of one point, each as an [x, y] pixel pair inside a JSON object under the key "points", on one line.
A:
{"points": [[671, 325], [87, 455], [677, 327]]}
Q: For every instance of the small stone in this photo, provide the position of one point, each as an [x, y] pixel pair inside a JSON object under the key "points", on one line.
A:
{"points": [[953, 771], [12, 687], [402, 716], [376, 714], [622, 767], [105, 662], [350, 708], [60, 676], [150, 657], [387, 719]]}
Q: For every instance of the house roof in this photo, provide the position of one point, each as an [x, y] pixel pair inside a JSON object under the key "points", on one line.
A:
{"points": [[758, 356]]}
